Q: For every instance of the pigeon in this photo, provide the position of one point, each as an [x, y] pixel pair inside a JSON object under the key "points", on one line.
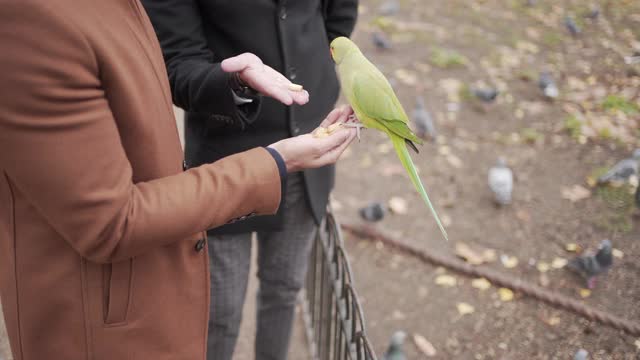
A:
{"points": [[548, 85], [531, 3], [486, 95], [571, 25], [373, 212], [381, 41], [581, 354], [633, 59], [590, 266], [501, 182], [594, 13], [423, 122], [394, 351], [622, 171], [389, 8]]}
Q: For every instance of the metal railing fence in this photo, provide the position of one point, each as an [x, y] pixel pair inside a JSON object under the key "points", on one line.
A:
{"points": [[333, 317]]}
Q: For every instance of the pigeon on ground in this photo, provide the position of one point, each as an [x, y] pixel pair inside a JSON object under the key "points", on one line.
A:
{"points": [[394, 351], [389, 8], [590, 266], [501, 182], [571, 25], [633, 59], [594, 13], [622, 171], [531, 3], [381, 41], [422, 121], [486, 95], [373, 212], [548, 85], [581, 354]]}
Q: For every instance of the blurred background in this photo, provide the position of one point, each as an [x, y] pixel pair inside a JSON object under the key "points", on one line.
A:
{"points": [[552, 87]]}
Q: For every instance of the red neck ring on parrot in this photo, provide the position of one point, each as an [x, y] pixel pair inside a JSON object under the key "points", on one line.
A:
{"points": [[331, 51]]}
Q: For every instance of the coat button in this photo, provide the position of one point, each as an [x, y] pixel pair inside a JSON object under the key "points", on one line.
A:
{"points": [[283, 14], [292, 73], [185, 166], [200, 245]]}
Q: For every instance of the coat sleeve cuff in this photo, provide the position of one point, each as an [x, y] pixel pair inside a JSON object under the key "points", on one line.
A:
{"points": [[282, 168]]}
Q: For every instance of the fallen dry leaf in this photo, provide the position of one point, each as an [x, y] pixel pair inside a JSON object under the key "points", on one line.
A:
{"points": [[553, 321], [465, 309], [508, 261], [575, 193], [398, 205], [407, 77], [424, 345], [637, 344], [505, 294], [617, 253], [481, 284], [446, 280], [473, 257], [572, 247], [559, 263], [542, 266], [585, 293]]}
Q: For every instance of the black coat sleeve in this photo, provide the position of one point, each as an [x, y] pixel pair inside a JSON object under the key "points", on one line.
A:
{"points": [[198, 83], [340, 17]]}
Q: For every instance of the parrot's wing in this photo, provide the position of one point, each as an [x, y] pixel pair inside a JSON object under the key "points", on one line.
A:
{"points": [[377, 101]]}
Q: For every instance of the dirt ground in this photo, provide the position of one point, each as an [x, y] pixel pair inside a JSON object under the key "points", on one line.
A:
{"points": [[502, 44]]}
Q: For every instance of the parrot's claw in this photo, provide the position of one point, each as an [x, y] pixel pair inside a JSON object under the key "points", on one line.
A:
{"points": [[357, 126]]}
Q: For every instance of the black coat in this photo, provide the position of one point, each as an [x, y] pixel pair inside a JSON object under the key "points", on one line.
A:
{"points": [[292, 36]]}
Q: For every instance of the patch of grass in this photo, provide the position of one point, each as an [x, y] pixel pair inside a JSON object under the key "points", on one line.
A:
{"points": [[618, 103], [531, 135], [465, 93], [574, 126], [605, 134], [551, 39], [444, 58]]}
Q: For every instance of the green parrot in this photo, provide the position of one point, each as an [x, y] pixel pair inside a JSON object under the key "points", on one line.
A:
{"points": [[376, 106]]}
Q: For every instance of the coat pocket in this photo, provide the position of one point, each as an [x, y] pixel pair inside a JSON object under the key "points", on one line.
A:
{"points": [[117, 284]]}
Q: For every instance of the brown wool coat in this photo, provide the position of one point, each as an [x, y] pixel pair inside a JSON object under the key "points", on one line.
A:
{"points": [[100, 228]]}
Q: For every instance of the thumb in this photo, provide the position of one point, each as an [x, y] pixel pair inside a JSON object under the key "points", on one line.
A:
{"points": [[239, 63]]}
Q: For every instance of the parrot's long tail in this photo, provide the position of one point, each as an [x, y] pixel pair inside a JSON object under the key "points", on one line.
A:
{"points": [[405, 159]]}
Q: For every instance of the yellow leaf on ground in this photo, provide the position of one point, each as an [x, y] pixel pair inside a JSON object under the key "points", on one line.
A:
{"points": [[559, 263], [446, 280], [543, 266], [465, 309], [508, 261], [481, 284], [424, 345], [398, 205], [585, 293], [553, 321], [572, 247], [575, 193], [617, 253], [505, 294], [465, 252]]}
